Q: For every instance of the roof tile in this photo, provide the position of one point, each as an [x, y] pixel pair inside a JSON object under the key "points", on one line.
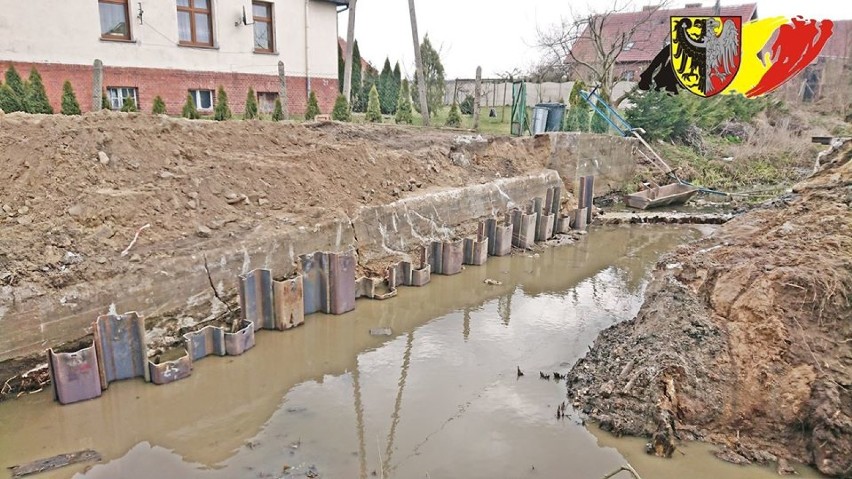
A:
{"points": [[653, 31]]}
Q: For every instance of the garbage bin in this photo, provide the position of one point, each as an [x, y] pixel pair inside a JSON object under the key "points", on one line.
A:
{"points": [[555, 115], [539, 119]]}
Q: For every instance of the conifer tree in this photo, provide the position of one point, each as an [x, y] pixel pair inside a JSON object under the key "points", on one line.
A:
{"points": [[129, 105], [8, 102], [13, 79], [251, 105], [403, 105], [385, 88], [70, 106], [189, 109], [396, 84], [221, 112], [313, 107], [278, 111], [374, 109], [341, 110], [37, 101], [454, 117], [357, 74], [159, 107]]}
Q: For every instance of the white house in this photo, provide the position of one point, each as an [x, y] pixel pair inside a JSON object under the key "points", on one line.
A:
{"points": [[175, 48]]}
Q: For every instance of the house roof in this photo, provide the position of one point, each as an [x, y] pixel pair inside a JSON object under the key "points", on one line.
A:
{"points": [[653, 30], [365, 65], [840, 43]]}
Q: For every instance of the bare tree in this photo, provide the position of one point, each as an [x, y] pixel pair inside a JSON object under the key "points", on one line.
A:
{"points": [[350, 45], [418, 59], [598, 40]]}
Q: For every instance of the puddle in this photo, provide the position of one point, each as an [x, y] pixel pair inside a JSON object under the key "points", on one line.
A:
{"points": [[438, 397]]}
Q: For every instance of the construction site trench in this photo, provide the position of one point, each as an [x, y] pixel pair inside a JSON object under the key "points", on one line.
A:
{"points": [[187, 239]]}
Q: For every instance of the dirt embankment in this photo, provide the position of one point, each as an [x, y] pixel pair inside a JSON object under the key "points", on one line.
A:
{"points": [[76, 189], [745, 338]]}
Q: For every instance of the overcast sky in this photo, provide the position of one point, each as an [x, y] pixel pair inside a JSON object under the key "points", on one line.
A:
{"points": [[500, 35]]}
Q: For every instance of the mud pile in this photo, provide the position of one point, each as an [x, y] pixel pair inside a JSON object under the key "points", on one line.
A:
{"points": [[744, 338], [77, 189]]}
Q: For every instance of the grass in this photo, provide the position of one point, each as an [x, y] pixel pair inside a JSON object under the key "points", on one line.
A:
{"points": [[491, 126], [498, 125], [713, 172]]}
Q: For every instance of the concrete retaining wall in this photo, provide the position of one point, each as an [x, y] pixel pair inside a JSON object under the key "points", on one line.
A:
{"points": [[172, 286], [611, 159], [400, 227], [182, 286]]}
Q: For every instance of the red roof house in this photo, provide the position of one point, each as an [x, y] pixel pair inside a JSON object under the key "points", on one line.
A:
{"points": [[651, 31]]}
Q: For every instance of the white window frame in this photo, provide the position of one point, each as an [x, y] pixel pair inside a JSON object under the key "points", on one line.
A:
{"points": [[117, 94], [196, 97]]}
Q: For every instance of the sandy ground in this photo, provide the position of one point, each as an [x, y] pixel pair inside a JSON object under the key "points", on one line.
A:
{"points": [[744, 338]]}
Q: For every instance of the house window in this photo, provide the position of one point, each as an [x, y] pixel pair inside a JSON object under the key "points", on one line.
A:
{"points": [[203, 99], [628, 46], [264, 38], [195, 22], [115, 19], [117, 95], [266, 101], [629, 75]]}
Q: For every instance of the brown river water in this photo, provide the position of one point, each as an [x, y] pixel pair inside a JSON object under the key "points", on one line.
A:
{"points": [[439, 398]]}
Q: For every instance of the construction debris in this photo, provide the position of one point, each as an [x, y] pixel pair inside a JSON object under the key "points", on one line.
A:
{"points": [[54, 462]]}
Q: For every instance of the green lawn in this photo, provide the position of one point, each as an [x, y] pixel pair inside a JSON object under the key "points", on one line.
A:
{"points": [[499, 125], [491, 126]]}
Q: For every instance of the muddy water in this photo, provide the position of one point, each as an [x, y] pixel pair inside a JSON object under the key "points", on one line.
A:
{"points": [[438, 398]]}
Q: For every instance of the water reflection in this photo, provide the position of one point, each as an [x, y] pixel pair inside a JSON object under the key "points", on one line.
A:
{"points": [[428, 400]]}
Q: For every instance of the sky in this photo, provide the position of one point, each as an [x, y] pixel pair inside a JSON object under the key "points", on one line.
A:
{"points": [[500, 35]]}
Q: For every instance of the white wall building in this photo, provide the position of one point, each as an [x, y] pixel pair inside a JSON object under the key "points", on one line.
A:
{"points": [[172, 48]]}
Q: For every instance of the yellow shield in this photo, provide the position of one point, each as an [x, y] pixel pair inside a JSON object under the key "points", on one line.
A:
{"points": [[706, 52]]}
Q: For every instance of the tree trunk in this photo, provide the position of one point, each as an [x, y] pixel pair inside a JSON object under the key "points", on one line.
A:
{"points": [[350, 45], [421, 83]]}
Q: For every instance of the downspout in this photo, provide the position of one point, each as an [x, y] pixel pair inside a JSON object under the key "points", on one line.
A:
{"points": [[307, 50]]}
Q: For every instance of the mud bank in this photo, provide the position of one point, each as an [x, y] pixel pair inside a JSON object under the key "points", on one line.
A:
{"points": [[743, 339]]}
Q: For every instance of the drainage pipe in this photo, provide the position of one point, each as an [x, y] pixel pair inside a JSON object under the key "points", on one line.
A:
{"points": [[307, 51]]}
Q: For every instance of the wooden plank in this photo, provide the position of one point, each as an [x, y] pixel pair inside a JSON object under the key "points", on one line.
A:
{"points": [[54, 462]]}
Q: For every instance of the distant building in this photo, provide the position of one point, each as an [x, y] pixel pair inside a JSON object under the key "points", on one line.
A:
{"points": [[366, 66], [175, 48], [830, 70], [653, 32]]}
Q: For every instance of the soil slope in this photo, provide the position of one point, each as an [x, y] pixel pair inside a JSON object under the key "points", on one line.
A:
{"points": [[76, 189], [745, 338]]}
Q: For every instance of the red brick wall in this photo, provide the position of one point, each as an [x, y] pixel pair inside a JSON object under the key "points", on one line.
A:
{"points": [[173, 85]]}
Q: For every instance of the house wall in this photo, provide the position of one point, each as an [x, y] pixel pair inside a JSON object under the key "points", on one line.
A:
{"points": [[62, 39], [173, 85]]}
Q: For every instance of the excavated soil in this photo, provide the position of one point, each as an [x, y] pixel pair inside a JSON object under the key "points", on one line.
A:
{"points": [[77, 189], [745, 338]]}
